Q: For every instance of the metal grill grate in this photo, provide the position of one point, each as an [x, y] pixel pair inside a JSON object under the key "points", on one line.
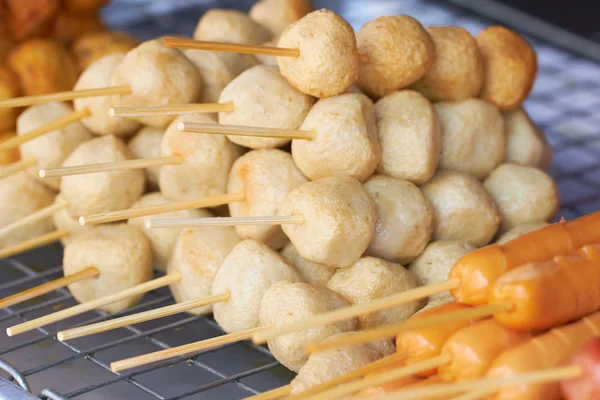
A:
{"points": [[563, 102]]}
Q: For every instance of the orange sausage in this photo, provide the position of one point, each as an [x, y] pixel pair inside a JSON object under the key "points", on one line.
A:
{"points": [[426, 382], [549, 350], [387, 387], [480, 268], [549, 293], [473, 349]]}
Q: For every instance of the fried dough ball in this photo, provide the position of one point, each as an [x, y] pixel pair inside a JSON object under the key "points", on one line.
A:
{"points": [[404, 219], [329, 60], [198, 254], [146, 144], [266, 177], [276, 15], [12, 155], [32, 17], [9, 88], [84, 6], [311, 272], [208, 160], [346, 141], [162, 240], [510, 65], [120, 252], [53, 148], [526, 143], [371, 278], [464, 210], [98, 74], [473, 141], [271, 61], [63, 220], [218, 69], [326, 365], [410, 140], [458, 71], [103, 191], [523, 194], [400, 52], [285, 303], [20, 196], [519, 230], [70, 26], [218, 25], [262, 97], [247, 272], [96, 45], [43, 66], [339, 220], [158, 76], [7, 44]]}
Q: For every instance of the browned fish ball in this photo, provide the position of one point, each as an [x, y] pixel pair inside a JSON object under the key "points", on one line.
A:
{"points": [[219, 25], [9, 88], [313, 273], [526, 143], [96, 45], [276, 15]]}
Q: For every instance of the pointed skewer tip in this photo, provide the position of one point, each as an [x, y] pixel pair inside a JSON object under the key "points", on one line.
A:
{"points": [[181, 126]]}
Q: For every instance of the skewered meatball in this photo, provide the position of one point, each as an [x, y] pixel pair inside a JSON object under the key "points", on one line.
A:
{"points": [[146, 144], [266, 177], [311, 272], [400, 52], [526, 143], [120, 252], [208, 159], [464, 210], [458, 70], [404, 219], [233, 26], [276, 15], [345, 142], [50, 150], [96, 45], [410, 140], [9, 88], [519, 230], [103, 191], [247, 272], [63, 220], [337, 212], [473, 141], [370, 278], [262, 97], [523, 194], [198, 254], [285, 303]]}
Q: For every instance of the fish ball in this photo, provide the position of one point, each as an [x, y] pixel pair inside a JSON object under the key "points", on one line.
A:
{"points": [[526, 143], [271, 61], [9, 88], [519, 230], [12, 155], [219, 25], [276, 15], [63, 220], [311, 272], [146, 144], [96, 45]]}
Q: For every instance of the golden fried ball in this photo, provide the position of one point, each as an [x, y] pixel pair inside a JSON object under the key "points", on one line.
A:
{"points": [[410, 140], [9, 88], [276, 15], [400, 52], [519, 230], [458, 70], [510, 65], [473, 139], [313, 273], [329, 60], [523, 194], [146, 144], [31, 18], [12, 155], [93, 46], [84, 6], [70, 26], [219, 25], [526, 143]]}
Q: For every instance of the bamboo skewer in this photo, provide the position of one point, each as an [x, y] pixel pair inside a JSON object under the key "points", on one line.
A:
{"points": [[28, 294], [223, 221], [253, 131], [111, 166], [424, 322], [17, 167], [475, 394], [33, 243], [121, 215], [273, 394], [36, 216], [93, 304], [355, 310], [139, 317], [171, 110], [184, 349], [64, 96]]}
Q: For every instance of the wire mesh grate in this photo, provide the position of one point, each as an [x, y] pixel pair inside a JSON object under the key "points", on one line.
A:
{"points": [[566, 94]]}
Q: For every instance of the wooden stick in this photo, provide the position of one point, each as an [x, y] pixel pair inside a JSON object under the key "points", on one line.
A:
{"points": [[356, 310], [121, 215], [140, 317], [111, 166], [64, 96], [171, 110], [93, 304], [350, 376], [44, 129], [59, 283], [273, 394], [33, 243], [253, 131], [223, 221], [184, 350], [387, 376], [179, 43], [36, 216], [424, 322], [17, 167], [544, 376], [475, 394]]}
